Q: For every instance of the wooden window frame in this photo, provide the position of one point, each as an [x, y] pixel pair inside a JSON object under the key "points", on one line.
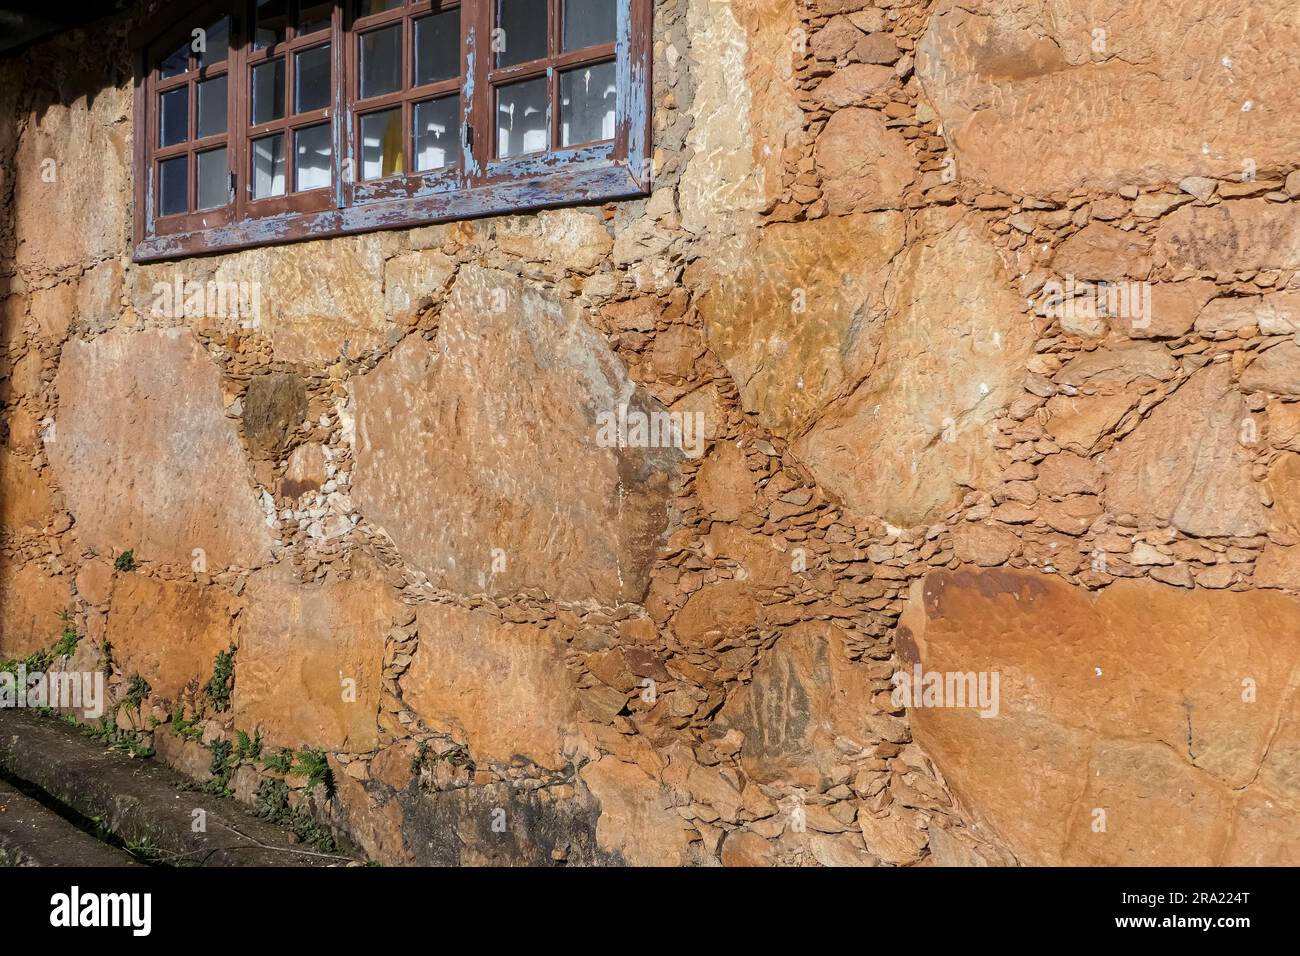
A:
{"points": [[477, 184]]}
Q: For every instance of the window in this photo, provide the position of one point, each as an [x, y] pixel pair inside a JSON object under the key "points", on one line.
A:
{"points": [[275, 120]]}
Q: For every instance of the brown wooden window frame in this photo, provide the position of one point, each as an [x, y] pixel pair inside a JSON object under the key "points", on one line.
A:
{"points": [[475, 183]]}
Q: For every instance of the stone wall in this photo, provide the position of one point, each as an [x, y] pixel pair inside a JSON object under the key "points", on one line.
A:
{"points": [[517, 645]]}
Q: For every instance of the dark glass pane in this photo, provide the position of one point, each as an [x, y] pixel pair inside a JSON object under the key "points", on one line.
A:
{"points": [[378, 6], [272, 18], [520, 33], [381, 144], [436, 125], [268, 91], [212, 107], [587, 104], [214, 179], [172, 185], [588, 23], [311, 157], [216, 40], [521, 117], [381, 61], [268, 166], [176, 62], [313, 17], [174, 117], [313, 81], [437, 47]]}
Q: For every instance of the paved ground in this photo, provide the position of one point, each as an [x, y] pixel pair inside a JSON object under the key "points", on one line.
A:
{"points": [[142, 802], [32, 835]]}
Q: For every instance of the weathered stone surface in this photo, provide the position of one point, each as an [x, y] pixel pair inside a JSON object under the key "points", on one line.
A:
{"points": [[1122, 364], [1278, 567], [864, 165], [450, 468], [502, 689], [169, 632], [795, 318], [1174, 308], [1032, 106], [1131, 701], [851, 86], [1184, 464], [305, 470], [1238, 236], [985, 544], [572, 238], [950, 356], [413, 279], [1276, 370], [636, 821], [274, 406], [724, 484], [1102, 253], [805, 693], [1076, 422], [25, 500], [308, 668], [145, 456], [31, 602]]}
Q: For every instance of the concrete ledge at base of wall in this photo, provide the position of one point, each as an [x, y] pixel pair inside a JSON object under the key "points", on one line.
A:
{"points": [[34, 835], [144, 803]]}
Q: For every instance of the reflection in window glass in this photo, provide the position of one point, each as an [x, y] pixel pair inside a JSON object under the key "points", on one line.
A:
{"points": [[313, 17], [381, 144], [588, 23], [268, 91], [313, 79], [172, 186], [523, 31], [216, 43], [272, 18], [268, 166], [311, 157], [174, 117], [436, 142], [381, 61], [212, 107], [176, 62], [587, 104], [437, 47], [521, 117], [214, 179]]}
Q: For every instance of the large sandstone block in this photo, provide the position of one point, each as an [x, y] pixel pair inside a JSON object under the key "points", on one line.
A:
{"points": [[1140, 701], [501, 688], [1046, 97], [170, 632], [1240, 236], [795, 314], [478, 452], [951, 355], [864, 165], [25, 500], [1185, 463], [145, 456], [31, 602], [637, 820], [309, 668]]}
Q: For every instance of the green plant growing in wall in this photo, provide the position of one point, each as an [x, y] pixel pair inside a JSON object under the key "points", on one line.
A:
{"points": [[220, 766], [185, 728], [68, 639], [313, 765], [279, 761], [137, 689], [125, 561], [272, 804], [249, 748], [222, 684]]}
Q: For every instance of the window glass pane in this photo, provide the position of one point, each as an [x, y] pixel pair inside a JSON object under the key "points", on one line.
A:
{"points": [[214, 179], [268, 91], [378, 6], [381, 144], [437, 47], [521, 117], [268, 166], [312, 156], [216, 41], [272, 18], [172, 185], [522, 36], [313, 81], [587, 104], [212, 107], [381, 61], [436, 124], [313, 17], [176, 62], [174, 117], [588, 23]]}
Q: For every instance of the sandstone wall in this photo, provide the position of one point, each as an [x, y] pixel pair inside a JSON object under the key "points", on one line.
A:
{"points": [[516, 645]]}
